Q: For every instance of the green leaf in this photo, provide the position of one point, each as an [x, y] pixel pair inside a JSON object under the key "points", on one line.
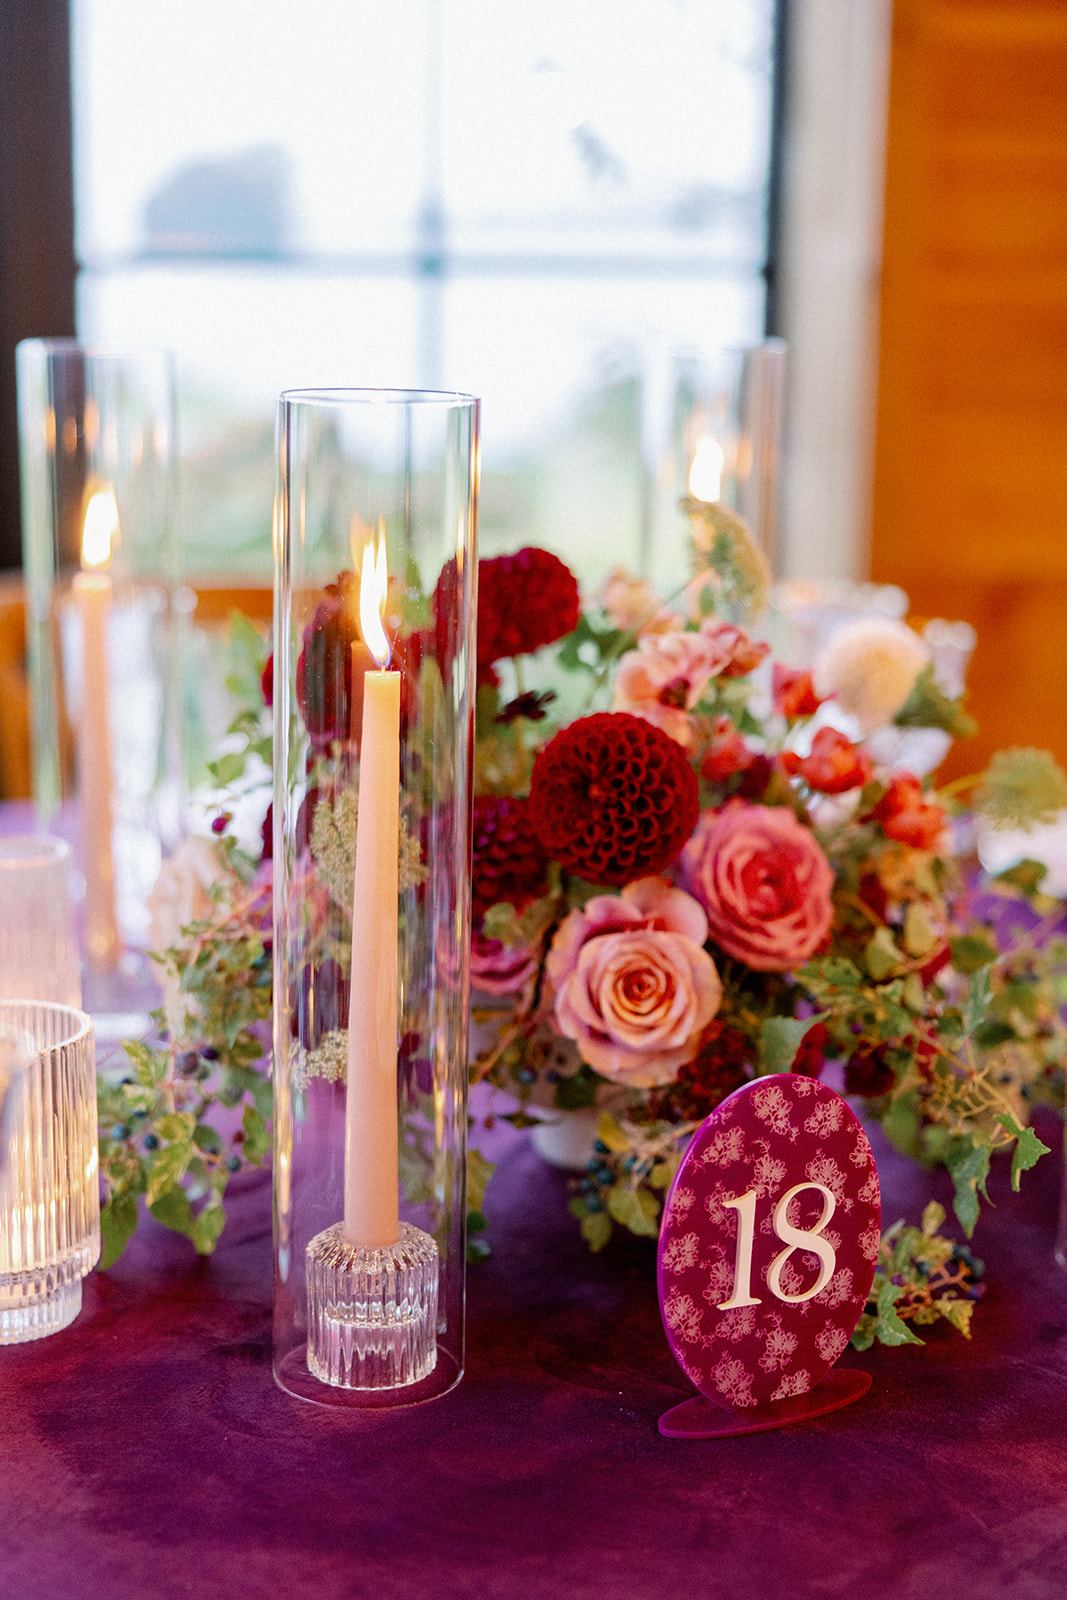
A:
{"points": [[969, 1165], [889, 1329], [1028, 1147], [207, 1225], [206, 1138], [118, 1224], [989, 1034], [933, 1217], [1027, 876], [863, 1337], [479, 1171], [970, 953], [476, 1222], [596, 1229], [228, 768], [928, 706], [780, 1039], [630, 1207], [167, 1169], [176, 1125], [609, 1131], [920, 935], [663, 1172], [577, 1091], [977, 1000], [881, 955], [257, 1139], [174, 1211]]}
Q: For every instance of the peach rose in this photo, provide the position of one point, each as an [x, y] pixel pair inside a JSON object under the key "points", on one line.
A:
{"points": [[764, 883], [634, 986]]}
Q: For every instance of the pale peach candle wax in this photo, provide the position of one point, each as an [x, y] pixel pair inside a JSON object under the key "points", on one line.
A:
{"points": [[372, 1188], [93, 595]]}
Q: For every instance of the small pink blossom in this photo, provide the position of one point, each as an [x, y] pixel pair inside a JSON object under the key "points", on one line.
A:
{"points": [[763, 881], [665, 677], [634, 987], [497, 968], [739, 653], [633, 605]]}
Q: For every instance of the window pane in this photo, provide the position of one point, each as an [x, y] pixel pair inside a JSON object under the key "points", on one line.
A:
{"points": [[527, 199]]}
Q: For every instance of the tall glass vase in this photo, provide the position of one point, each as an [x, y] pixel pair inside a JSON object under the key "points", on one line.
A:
{"points": [[373, 697], [97, 456]]}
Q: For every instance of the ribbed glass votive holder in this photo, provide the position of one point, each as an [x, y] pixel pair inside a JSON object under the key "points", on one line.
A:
{"points": [[49, 1190]]}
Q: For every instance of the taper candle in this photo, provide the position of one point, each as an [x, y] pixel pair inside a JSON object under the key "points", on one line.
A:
{"points": [[372, 1188], [92, 593]]}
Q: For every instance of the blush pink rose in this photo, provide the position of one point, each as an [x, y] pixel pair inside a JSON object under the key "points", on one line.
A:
{"points": [[634, 987], [764, 883], [497, 968]]}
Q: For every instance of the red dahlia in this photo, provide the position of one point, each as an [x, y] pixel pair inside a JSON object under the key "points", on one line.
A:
{"points": [[612, 798], [509, 863], [524, 601]]}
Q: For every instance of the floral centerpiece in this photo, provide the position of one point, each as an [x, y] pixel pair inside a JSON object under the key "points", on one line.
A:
{"points": [[692, 865]]}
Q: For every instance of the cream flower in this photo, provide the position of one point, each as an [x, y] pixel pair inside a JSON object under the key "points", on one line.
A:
{"points": [[871, 667]]}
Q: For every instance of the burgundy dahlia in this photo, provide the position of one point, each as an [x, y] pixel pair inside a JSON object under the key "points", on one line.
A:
{"points": [[613, 798], [509, 863], [525, 601], [330, 700]]}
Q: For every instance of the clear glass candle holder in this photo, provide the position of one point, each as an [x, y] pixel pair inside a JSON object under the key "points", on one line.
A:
{"points": [[373, 701], [49, 1188], [38, 939], [97, 455]]}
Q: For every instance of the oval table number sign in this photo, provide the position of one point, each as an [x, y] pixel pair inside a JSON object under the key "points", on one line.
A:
{"points": [[766, 1257]]}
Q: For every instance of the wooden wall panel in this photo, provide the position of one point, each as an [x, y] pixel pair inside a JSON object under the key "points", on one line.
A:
{"points": [[970, 487]]}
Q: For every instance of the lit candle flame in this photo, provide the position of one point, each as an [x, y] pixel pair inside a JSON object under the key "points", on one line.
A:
{"points": [[373, 589], [705, 475], [100, 530]]}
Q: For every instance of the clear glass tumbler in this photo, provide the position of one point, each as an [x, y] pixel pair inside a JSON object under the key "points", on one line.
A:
{"points": [[373, 702], [38, 939], [50, 1197]]}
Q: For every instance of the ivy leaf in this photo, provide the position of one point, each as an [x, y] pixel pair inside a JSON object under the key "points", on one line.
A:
{"points": [[969, 1165], [176, 1125], [207, 1226], [928, 706], [933, 1217], [167, 1169], [970, 953], [889, 1329], [228, 768], [977, 1000], [920, 935], [257, 1139], [1021, 788], [174, 1211], [596, 1229], [881, 955], [1028, 1147], [781, 1038], [479, 1171], [663, 1172], [609, 1131], [636, 1209], [578, 1091], [118, 1224]]}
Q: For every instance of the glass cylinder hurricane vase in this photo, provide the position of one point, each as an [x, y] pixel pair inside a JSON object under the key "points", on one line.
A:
{"points": [[373, 699], [97, 456]]}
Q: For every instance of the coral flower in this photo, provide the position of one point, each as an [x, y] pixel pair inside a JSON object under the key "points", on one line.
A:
{"points": [[834, 764]]}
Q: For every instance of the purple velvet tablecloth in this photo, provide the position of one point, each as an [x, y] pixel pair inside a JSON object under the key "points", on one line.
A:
{"points": [[145, 1453]]}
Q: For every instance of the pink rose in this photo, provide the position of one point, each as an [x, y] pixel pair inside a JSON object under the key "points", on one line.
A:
{"points": [[764, 883], [664, 678], [634, 986], [497, 968]]}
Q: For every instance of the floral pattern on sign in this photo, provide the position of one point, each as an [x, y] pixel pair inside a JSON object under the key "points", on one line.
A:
{"points": [[768, 1244]]}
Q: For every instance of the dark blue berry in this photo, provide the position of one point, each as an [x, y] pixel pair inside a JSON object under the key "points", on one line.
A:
{"points": [[526, 1076], [553, 1077], [233, 1164], [600, 1147], [594, 1203], [187, 1063], [120, 1131], [151, 1141], [209, 1052]]}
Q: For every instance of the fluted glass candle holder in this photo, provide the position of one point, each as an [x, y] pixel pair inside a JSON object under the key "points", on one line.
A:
{"points": [[97, 452], [373, 698], [50, 1188]]}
